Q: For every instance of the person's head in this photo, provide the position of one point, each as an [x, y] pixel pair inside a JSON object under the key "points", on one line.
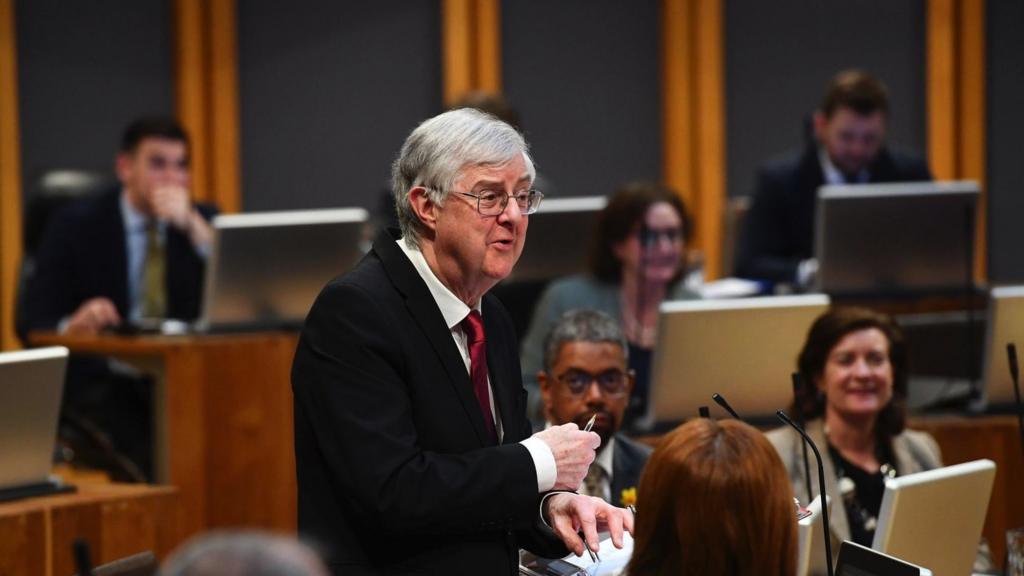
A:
{"points": [[493, 103], [714, 498], [154, 153], [852, 119], [243, 554], [855, 364], [618, 249], [452, 183], [586, 372]]}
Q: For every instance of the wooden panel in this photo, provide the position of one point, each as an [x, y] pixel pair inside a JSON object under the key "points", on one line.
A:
{"points": [[190, 85], [971, 81], [23, 543], [941, 78], [185, 425], [10, 177], [456, 49], [225, 177], [487, 30], [676, 73], [68, 523], [710, 125]]}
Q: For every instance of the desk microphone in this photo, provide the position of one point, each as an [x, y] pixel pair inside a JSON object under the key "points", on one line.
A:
{"points": [[798, 384], [80, 550], [704, 412], [1011, 352], [821, 484], [721, 402]]}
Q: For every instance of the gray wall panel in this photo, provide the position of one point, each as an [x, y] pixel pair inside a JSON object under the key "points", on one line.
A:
{"points": [[584, 76], [780, 55], [329, 90], [86, 69], [1005, 126]]}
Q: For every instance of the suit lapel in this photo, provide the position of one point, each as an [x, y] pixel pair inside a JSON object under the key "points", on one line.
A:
{"points": [[502, 381], [117, 248], [428, 316]]}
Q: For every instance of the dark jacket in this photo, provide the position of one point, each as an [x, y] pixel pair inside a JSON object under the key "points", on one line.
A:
{"points": [[627, 465], [396, 474], [778, 232]]}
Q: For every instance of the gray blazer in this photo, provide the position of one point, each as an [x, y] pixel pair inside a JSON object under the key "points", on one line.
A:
{"points": [[914, 452]]}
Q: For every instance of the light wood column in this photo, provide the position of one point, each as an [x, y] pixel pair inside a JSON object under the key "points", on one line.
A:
{"points": [[470, 47], [693, 116], [956, 86], [206, 96], [10, 177]]}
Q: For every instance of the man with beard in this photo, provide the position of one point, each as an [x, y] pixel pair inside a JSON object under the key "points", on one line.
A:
{"points": [[585, 375], [849, 147]]}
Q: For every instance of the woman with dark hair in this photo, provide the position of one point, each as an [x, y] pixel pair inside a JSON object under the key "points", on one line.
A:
{"points": [[637, 261], [854, 364], [714, 499]]}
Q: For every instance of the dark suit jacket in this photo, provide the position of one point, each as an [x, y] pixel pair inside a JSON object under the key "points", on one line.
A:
{"points": [[627, 464], [396, 474], [84, 254], [778, 232]]}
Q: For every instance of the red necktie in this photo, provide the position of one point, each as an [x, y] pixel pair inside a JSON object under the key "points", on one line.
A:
{"points": [[473, 326]]}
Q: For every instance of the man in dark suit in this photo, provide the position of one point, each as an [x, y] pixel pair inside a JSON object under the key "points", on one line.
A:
{"points": [[131, 253], [413, 452], [586, 374], [777, 239]]}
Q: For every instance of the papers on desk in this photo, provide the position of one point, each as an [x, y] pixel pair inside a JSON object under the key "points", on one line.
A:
{"points": [[613, 560]]}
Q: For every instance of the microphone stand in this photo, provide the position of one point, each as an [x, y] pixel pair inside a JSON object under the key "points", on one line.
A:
{"points": [[821, 484], [721, 402], [798, 384], [704, 412], [1011, 352]]}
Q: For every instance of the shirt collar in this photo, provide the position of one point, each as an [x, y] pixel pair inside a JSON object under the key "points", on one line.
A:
{"points": [[134, 221], [835, 176], [453, 310]]}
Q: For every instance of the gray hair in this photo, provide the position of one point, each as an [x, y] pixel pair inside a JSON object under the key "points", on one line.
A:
{"points": [[243, 554], [582, 326], [436, 152]]}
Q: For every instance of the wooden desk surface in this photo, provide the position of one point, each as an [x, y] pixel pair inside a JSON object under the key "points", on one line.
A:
{"points": [[223, 418], [117, 520]]}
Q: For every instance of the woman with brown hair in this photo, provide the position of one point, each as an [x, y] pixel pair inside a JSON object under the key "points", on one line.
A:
{"points": [[854, 364], [636, 262], [714, 499]]}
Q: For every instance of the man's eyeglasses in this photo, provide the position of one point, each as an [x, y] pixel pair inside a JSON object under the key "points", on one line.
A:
{"points": [[491, 203], [611, 382]]}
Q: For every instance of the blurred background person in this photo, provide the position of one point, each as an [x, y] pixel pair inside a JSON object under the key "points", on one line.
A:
{"points": [[777, 239], [586, 375], [637, 261], [714, 499], [243, 554], [854, 364]]}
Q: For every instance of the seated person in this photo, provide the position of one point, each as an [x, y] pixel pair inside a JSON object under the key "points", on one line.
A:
{"points": [[714, 499], [777, 239], [243, 554], [637, 261], [585, 375], [134, 252], [854, 363]]}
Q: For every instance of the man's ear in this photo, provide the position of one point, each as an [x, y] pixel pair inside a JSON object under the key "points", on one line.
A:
{"points": [[545, 388], [123, 165], [820, 122], [424, 207]]}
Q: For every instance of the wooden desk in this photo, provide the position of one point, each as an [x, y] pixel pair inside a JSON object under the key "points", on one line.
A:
{"points": [[223, 418], [116, 519]]}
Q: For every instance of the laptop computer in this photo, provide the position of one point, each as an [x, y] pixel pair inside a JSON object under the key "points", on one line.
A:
{"points": [[890, 239], [810, 560], [1005, 325], [935, 518], [31, 385], [744, 349], [265, 269], [857, 560]]}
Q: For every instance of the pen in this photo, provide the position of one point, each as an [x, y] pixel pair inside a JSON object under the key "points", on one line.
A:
{"points": [[593, 555], [590, 423]]}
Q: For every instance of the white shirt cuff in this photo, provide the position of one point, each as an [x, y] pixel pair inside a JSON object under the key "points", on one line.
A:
{"points": [[543, 462]]}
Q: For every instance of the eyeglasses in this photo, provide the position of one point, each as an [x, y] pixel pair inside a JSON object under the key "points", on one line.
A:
{"points": [[611, 382], [651, 236], [491, 203]]}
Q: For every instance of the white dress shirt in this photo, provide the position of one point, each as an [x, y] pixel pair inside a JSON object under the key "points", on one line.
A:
{"points": [[454, 312]]}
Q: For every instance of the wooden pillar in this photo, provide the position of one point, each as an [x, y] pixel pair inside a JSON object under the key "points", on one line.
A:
{"points": [[10, 177], [693, 116], [470, 47]]}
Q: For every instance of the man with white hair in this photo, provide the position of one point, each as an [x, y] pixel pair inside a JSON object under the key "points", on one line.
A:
{"points": [[413, 450]]}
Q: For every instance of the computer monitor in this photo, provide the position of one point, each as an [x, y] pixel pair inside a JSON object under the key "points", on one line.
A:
{"points": [[31, 385], [811, 553], [934, 518], [1005, 325], [743, 349], [890, 239], [559, 238], [857, 560], [265, 269]]}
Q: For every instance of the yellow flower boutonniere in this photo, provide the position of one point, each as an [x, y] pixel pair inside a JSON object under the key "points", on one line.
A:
{"points": [[629, 496]]}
